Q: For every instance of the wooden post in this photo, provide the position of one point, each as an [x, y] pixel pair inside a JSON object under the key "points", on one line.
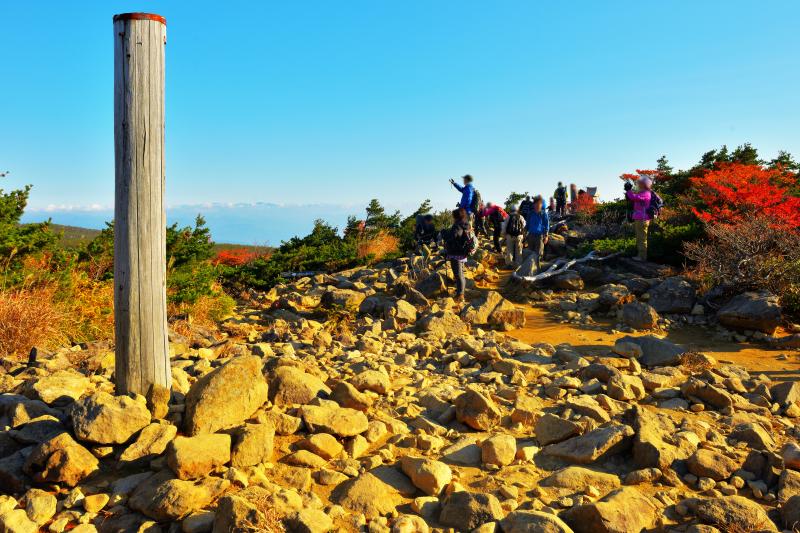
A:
{"points": [[140, 303]]}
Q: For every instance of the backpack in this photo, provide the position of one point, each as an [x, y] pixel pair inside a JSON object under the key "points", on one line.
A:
{"points": [[460, 240], [477, 202], [514, 226], [561, 194], [496, 217], [656, 205]]}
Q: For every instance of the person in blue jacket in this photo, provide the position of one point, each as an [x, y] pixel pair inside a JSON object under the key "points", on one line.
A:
{"points": [[538, 226], [467, 194]]}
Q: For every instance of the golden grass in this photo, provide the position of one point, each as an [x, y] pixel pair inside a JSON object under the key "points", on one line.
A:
{"points": [[377, 246], [29, 316]]}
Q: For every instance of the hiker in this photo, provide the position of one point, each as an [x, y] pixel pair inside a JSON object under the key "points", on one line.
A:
{"points": [[538, 226], [641, 213], [480, 220], [459, 242], [560, 195], [514, 231], [425, 231], [496, 215], [525, 207], [573, 193], [468, 199]]}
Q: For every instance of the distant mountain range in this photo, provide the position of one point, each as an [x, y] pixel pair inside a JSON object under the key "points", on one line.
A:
{"points": [[262, 224]]}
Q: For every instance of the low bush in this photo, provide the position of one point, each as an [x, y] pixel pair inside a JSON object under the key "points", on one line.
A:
{"points": [[29, 316]]}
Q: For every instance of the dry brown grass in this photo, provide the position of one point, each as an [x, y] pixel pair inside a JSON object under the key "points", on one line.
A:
{"points": [[29, 316], [377, 246]]}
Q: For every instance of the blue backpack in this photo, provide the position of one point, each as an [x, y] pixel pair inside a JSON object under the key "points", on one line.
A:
{"points": [[656, 205]]}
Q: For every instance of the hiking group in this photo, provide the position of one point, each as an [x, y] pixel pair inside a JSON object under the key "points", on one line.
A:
{"points": [[528, 224]]}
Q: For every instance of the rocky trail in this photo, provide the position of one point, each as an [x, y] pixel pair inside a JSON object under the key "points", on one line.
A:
{"points": [[612, 399]]}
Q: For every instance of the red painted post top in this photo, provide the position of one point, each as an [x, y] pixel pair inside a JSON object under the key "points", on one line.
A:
{"points": [[140, 16]]}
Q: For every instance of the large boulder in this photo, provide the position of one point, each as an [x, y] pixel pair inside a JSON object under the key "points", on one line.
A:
{"points": [[657, 443], [569, 280], [550, 428], [656, 351], [734, 513], [711, 464], [442, 324], [507, 316], [432, 286], [150, 443], [252, 444], [479, 310], [624, 510], [428, 475], [466, 511], [225, 397], [577, 478], [639, 315], [341, 421], [60, 387], [194, 457], [759, 311], [164, 498], [60, 460], [593, 445], [105, 419], [367, 494], [476, 410], [612, 295], [291, 385], [343, 299], [673, 296]]}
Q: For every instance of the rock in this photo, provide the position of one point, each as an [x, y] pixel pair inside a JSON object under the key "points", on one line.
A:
{"points": [[707, 393], [305, 458], [293, 386], [577, 478], [786, 393], [734, 512], [195, 457], [507, 316], [401, 310], [655, 351], [673, 296], [343, 299], [569, 280], [593, 445], [40, 506], [164, 498], [476, 410], [466, 511], [791, 455], [442, 324], [432, 286], [788, 485], [429, 476], [60, 460], [236, 514], [613, 513], [624, 387], [252, 444], [610, 296], [711, 464], [60, 387], [655, 444], [367, 494], [550, 428], [639, 315], [790, 513], [753, 434], [340, 421], [533, 522], [158, 401], [478, 311], [225, 397], [105, 419], [202, 522], [322, 444], [759, 311], [151, 442], [499, 450], [627, 349], [372, 380], [347, 395], [95, 502], [310, 521], [16, 521]]}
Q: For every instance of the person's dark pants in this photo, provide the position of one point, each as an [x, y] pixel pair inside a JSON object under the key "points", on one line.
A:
{"points": [[496, 238], [561, 208], [480, 225], [458, 274]]}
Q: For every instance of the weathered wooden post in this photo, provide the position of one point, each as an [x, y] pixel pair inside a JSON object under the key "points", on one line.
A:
{"points": [[140, 304]]}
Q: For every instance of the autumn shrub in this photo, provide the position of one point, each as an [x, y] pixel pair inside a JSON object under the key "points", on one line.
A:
{"points": [[235, 256], [29, 316], [733, 192], [377, 246], [752, 254]]}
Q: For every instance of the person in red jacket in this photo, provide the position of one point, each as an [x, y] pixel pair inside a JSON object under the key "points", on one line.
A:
{"points": [[495, 215]]}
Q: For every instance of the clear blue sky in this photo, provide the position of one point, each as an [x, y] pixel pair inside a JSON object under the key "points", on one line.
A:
{"points": [[339, 102]]}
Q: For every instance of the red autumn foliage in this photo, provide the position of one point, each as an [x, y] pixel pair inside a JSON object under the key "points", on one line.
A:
{"points": [[732, 192], [584, 204], [235, 257]]}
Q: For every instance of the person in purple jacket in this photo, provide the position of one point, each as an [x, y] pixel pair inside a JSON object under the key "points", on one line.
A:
{"points": [[641, 214]]}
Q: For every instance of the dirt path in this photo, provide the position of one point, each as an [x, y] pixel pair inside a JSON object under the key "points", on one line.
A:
{"points": [[540, 326]]}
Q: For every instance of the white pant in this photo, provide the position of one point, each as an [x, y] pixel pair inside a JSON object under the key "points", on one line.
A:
{"points": [[514, 249]]}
